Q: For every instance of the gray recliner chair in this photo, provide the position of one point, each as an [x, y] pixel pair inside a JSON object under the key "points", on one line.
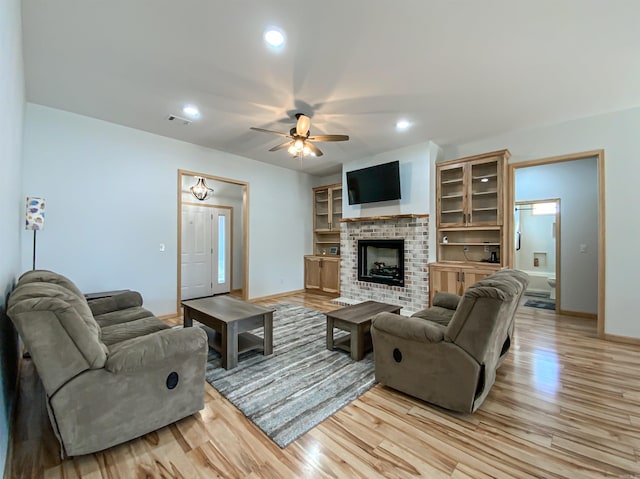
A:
{"points": [[452, 365], [111, 370]]}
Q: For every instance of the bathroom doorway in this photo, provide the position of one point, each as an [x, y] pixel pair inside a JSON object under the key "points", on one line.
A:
{"points": [[537, 250], [578, 180]]}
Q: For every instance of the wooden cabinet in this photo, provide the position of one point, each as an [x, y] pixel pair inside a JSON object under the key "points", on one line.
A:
{"points": [[322, 268], [322, 273], [327, 213], [470, 208], [454, 279], [471, 219]]}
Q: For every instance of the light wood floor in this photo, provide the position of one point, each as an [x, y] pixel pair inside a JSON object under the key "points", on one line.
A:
{"points": [[564, 404]]}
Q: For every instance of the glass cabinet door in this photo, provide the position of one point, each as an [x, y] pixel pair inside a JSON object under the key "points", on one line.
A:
{"points": [[484, 190], [336, 208], [321, 205], [452, 195]]}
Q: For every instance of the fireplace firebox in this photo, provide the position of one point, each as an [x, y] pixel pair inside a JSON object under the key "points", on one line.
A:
{"points": [[381, 261]]}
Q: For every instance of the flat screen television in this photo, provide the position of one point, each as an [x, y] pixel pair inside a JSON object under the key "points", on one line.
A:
{"points": [[375, 183]]}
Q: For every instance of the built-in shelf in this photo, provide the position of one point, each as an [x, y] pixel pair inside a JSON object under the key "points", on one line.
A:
{"points": [[480, 193], [448, 197]]}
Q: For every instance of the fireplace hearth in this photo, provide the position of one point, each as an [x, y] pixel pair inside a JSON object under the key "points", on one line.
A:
{"points": [[381, 261]]}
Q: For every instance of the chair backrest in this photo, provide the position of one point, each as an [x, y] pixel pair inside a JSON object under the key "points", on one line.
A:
{"points": [[58, 330], [46, 276], [484, 314]]}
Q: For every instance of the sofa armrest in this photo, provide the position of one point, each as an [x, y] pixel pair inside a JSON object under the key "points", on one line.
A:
{"points": [[416, 329], [117, 302], [144, 351], [446, 300]]}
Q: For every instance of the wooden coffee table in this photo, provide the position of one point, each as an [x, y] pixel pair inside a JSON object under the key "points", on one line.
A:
{"points": [[231, 318], [357, 320]]}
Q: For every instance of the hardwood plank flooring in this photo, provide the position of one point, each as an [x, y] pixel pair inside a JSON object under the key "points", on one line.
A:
{"points": [[565, 405]]}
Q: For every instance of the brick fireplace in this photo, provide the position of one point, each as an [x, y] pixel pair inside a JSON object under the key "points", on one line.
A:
{"points": [[380, 232]]}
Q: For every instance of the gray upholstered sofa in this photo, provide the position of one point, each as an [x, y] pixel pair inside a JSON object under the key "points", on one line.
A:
{"points": [[111, 370], [450, 362]]}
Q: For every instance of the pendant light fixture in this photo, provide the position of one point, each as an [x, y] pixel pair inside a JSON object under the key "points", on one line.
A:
{"points": [[200, 190]]}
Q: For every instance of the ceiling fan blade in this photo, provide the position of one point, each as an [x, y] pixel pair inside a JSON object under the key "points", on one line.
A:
{"points": [[314, 149], [329, 138], [302, 127], [281, 146], [269, 131]]}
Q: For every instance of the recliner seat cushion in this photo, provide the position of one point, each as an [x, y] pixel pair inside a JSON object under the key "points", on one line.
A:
{"points": [[117, 333], [436, 314], [123, 316]]}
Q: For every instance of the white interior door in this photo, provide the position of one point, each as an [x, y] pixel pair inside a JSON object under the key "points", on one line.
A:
{"points": [[221, 239], [197, 266]]}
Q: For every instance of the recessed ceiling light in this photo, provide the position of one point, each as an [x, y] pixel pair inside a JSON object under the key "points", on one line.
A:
{"points": [[274, 37], [191, 111], [403, 124]]}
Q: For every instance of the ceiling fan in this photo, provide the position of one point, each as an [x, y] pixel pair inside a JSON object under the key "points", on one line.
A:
{"points": [[300, 140]]}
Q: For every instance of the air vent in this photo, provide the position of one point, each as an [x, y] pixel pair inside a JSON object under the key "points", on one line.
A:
{"points": [[178, 120]]}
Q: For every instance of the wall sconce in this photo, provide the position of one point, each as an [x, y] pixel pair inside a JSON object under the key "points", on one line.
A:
{"points": [[200, 190]]}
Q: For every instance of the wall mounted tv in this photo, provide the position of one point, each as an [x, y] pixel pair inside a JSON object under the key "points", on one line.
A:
{"points": [[375, 183]]}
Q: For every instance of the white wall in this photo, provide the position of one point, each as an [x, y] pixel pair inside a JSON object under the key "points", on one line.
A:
{"points": [[415, 162], [417, 186], [538, 240], [111, 200], [12, 99], [617, 134], [576, 184]]}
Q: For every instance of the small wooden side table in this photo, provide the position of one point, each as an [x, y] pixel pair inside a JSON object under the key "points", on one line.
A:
{"points": [[357, 320]]}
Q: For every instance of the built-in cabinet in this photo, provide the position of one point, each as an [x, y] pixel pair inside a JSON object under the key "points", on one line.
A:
{"points": [[455, 279], [322, 273], [322, 268], [470, 220]]}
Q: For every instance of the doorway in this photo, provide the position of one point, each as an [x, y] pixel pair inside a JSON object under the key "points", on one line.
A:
{"points": [[213, 238], [573, 246], [206, 250], [537, 250]]}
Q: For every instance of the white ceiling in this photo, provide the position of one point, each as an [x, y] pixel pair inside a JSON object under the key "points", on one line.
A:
{"points": [[458, 69]]}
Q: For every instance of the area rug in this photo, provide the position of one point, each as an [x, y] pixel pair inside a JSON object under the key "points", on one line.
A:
{"points": [[300, 385], [541, 304]]}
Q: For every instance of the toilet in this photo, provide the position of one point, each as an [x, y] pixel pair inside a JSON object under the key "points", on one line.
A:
{"points": [[552, 282]]}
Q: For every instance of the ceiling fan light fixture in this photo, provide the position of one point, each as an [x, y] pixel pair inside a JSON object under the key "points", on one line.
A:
{"points": [[200, 190], [403, 124], [299, 145]]}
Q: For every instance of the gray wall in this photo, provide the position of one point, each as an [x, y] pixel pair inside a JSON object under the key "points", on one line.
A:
{"points": [[12, 98]]}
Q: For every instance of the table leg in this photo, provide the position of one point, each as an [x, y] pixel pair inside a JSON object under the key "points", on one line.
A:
{"points": [[268, 333], [187, 322], [229, 345], [329, 333], [357, 342]]}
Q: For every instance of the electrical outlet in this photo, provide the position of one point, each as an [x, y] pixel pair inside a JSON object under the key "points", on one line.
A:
{"points": [[486, 249]]}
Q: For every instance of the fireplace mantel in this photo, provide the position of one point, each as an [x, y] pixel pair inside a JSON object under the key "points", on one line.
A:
{"points": [[382, 218]]}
